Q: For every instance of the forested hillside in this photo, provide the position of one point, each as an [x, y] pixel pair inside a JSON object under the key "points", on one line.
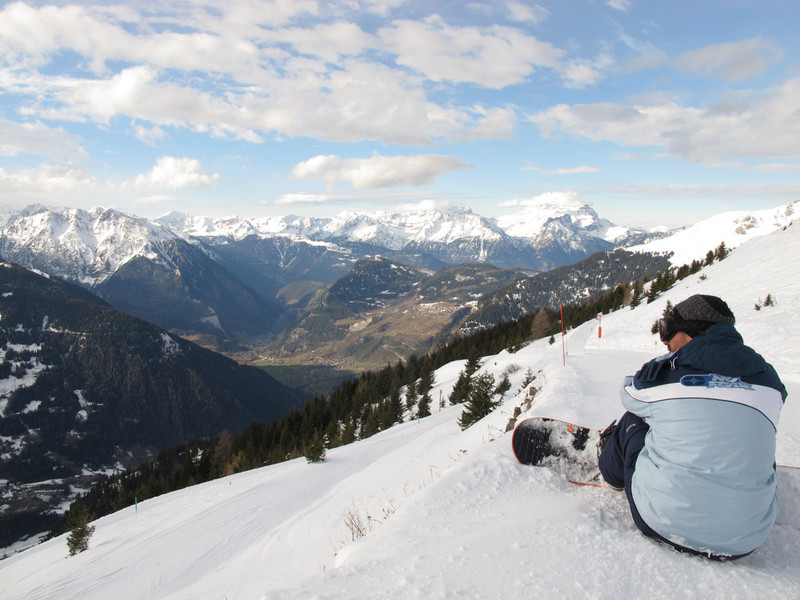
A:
{"points": [[85, 387]]}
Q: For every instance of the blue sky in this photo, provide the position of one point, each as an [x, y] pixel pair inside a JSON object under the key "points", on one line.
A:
{"points": [[655, 113]]}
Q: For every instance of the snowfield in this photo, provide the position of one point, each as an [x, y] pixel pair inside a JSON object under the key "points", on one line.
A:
{"points": [[451, 514]]}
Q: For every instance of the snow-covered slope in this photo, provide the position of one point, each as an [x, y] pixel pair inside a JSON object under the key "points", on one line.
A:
{"points": [[734, 228], [450, 514]]}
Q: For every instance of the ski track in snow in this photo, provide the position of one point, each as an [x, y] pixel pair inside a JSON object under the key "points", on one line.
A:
{"points": [[451, 513]]}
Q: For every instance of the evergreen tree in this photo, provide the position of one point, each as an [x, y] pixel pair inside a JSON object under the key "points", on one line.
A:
{"points": [[473, 362], [460, 391], [529, 378], [424, 405], [315, 449], [481, 401], [79, 528], [425, 384], [636, 299], [502, 387], [411, 395], [395, 408]]}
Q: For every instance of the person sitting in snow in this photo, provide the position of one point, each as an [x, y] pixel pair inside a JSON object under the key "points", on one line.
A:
{"points": [[695, 453]]}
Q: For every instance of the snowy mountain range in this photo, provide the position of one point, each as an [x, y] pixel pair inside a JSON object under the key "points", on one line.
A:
{"points": [[241, 280], [426, 510], [90, 246]]}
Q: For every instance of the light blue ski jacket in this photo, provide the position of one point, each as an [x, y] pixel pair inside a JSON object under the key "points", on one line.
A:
{"points": [[705, 478]]}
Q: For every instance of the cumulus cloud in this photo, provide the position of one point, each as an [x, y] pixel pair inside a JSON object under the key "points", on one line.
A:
{"points": [[378, 171], [172, 173], [138, 93], [735, 61], [741, 124], [258, 68]]}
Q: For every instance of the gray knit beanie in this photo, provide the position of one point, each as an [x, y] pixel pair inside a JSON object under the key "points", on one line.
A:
{"points": [[697, 313]]}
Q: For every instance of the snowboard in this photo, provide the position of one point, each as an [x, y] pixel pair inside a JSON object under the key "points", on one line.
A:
{"points": [[564, 447]]}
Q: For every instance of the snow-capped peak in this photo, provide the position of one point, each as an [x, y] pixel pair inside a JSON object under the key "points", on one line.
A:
{"points": [[733, 228], [82, 245]]}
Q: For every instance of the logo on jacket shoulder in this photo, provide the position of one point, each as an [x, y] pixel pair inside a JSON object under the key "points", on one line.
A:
{"points": [[715, 381]]}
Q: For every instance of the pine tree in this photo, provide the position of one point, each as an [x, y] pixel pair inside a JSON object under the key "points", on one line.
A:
{"points": [[529, 378], [394, 408], [481, 401], [636, 299], [80, 530], [424, 405], [473, 362], [460, 392], [424, 386], [503, 386], [411, 395], [315, 449]]}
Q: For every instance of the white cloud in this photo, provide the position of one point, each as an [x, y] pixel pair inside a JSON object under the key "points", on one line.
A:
{"points": [[38, 138], [328, 41], [381, 7], [172, 173], [493, 123], [735, 61], [149, 135], [246, 69], [361, 101], [752, 124], [136, 92], [47, 180], [560, 198], [527, 13], [621, 5], [378, 171], [302, 198], [494, 57]]}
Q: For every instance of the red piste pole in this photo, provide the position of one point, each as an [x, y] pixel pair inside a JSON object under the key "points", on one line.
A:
{"points": [[563, 347]]}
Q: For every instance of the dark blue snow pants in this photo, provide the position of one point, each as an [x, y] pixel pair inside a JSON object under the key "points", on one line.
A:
{"points": [[617, 464], [618, 460]]}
